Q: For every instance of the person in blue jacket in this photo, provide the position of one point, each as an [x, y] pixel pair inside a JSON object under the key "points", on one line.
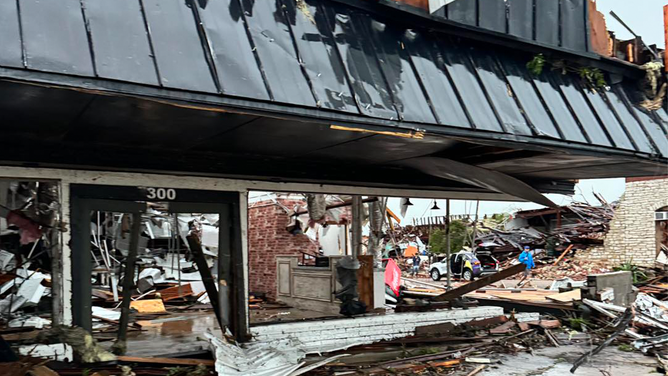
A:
{"points": [[527, 259]]}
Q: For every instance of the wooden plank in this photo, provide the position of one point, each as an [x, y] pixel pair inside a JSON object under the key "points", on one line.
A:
{"points": [[176, 292], [482, 282], [566, 297], [563, 254], [168, 361], [365, 280], [503, 328]]}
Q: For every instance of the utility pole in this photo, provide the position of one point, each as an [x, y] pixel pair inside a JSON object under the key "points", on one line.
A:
{"points": [[447, 239], [475, 223]]}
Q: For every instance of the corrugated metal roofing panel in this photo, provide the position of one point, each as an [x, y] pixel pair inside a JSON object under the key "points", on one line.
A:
{"points": [[492, 15], [615, 130], [547, 30], [464, 76], [576, 100], [654, 131], [409, 98], [176, 42], [273, 42], [631, 124], [430, 68], [518, 23], [319, 56], [54, 37], [10, 37], [358, 58], [499, 93], [558, 107], [573, 24], [463, 11], [233, 54], [521, 83], [119, 36], [329, 55], [663, 116]]}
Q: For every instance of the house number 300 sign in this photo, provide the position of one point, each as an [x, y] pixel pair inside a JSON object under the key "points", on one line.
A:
{"points": [[160, 193]]}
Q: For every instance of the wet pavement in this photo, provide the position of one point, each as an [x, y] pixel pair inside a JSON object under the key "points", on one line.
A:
{"points": [[169, 335], [184, 332], [557, 361]]}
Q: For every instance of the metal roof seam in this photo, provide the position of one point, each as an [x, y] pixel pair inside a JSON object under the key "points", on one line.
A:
{"points": [[572, 111], [254, 49], [422, 86], [474, 71], [150, 42], [621, 122], [376, 58], [299, 56], [629, 105], [89, 36], [598, 117], [209, 54], [440, 64], [24, 57], [547, 109], [513, 94], [339, 55]]}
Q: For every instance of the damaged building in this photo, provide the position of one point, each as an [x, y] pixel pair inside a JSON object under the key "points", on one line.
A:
{"points": [[135, 131]]}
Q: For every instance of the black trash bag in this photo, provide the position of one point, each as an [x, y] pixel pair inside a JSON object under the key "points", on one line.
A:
{"points": [[346, 275]]}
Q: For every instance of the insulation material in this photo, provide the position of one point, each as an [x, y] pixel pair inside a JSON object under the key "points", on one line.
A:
{"points": [[59, 351], [30, 322], [317, 206]]}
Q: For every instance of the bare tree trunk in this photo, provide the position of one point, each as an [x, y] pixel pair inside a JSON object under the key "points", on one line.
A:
{"points": [[376, 219]]}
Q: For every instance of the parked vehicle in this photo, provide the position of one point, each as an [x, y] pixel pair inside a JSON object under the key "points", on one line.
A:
{"points": [[464, 265], [483, 252]]}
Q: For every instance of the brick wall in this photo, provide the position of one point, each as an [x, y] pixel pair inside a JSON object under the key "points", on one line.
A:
{"points": [[267, 238], [632, 232]]}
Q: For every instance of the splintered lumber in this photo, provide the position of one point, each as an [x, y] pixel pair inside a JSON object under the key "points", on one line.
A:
{"points": [[563, 254], [619, 329], [447, 363], [566, 297], [167, 361], [482, 282], [503, 328], [176, 292], [477, 370]]}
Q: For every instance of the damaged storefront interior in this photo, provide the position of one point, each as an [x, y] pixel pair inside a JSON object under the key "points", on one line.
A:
{"points": [[204, 184]]}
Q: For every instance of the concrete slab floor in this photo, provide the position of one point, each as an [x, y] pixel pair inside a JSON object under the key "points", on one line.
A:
{"points": [[557, 361]]}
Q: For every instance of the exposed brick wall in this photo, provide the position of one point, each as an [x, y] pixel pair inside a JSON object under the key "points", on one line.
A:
{"points": [[632, 234], [267, 238]]}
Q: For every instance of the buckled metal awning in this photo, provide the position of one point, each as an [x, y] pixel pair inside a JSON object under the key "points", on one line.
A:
{"points": [[279, 80]]}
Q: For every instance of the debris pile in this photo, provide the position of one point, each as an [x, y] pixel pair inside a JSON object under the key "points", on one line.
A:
{"points": [[575, 269], [582, 226]]}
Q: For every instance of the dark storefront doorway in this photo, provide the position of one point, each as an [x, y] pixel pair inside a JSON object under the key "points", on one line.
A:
{"points": [[130, 204]]}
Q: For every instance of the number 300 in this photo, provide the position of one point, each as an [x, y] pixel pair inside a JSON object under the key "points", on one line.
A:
{"points": [[161, 193]]}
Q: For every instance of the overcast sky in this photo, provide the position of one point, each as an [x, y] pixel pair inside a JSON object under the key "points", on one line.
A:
{"points": [[644, 17]]}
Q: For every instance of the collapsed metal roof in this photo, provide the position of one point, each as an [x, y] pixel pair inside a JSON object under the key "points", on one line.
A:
{"points": [[288, 68]]}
